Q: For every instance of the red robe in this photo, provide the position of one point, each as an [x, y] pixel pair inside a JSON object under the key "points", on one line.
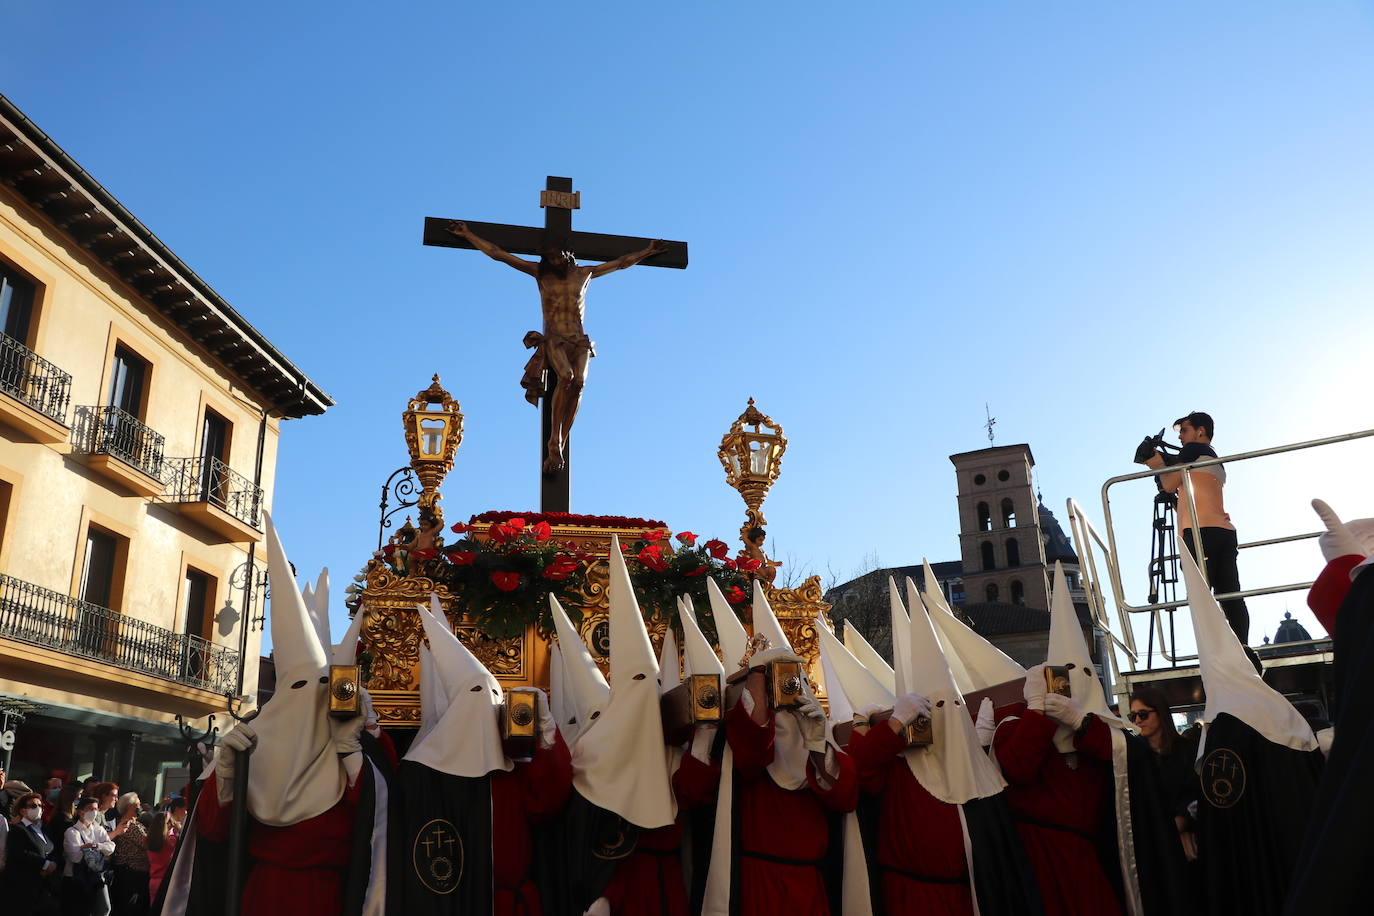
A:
{"points": [[781, 824], [649, 882], [532, 792], [918, 835], [1042, 788], [297, 870]]}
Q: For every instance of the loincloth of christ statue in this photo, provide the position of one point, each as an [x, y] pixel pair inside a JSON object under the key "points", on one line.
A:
{"points": [[563, 347]]}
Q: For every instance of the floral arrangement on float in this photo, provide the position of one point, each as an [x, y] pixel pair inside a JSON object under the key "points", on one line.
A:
{"points": [[505, 565]]}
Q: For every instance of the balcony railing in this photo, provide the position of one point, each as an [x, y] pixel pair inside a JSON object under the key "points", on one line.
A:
{"points": [[42, 617], [209, 480], [32, 380], [113, 431]]}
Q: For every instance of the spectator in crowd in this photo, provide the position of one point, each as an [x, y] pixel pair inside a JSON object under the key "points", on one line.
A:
{"points": [[107, 793], [86, 846], [63, 813], [129, 887], [30, 857], [1174, 754], [163, 833], [51, 790]]}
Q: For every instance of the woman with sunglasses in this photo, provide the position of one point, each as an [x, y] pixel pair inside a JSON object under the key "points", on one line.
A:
{"points": [[1174, 754]]}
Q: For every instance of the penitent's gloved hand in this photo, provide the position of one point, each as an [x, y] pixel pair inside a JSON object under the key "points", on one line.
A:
{"points": [[548, 728], [1034, 691], [1343, 539], [1065, 710], [910, 707], [986, 724], [238, 739]]}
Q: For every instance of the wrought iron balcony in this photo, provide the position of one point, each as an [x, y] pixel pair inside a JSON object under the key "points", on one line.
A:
{"points": [[116, 432], [33, 381], [42, 617], [209, 481]]}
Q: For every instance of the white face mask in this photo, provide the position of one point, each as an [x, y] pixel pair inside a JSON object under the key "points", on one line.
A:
{"points": [[33, 815], [88, 817]]}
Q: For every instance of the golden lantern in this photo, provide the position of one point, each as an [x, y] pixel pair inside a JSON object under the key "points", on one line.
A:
{"points": [[752, 459], [433, 430]]}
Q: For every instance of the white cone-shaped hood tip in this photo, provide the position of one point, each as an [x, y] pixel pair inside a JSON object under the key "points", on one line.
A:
{"points": [[558, 693], [437, 609], [466, 739], [1230, 681], [861, 649], [298, 775], [733, 638], [346, 652], [321, 606], [1068, 647], [587, 690], [308, 597], [985, 664], [850, 676], [954, 768], [700, 658], [620, 762], [433, 693], [669, 672], [956, 667], [766, 622], [901, 648], [842, 708]]}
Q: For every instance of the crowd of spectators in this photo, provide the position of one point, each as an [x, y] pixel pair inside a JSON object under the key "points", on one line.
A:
{"points": [[83, 848]]}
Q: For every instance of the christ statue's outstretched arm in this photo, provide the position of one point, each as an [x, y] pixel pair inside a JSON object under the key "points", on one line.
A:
{"points": [[494, 252], [658, 246]]}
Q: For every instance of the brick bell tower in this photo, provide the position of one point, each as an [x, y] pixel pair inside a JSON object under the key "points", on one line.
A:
{"points": [[1000, 537]]}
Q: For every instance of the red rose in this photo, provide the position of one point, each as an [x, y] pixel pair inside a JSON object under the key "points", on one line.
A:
{"points": [[687, 538], [652, 536], [560, 568], [651, 558], [542, 531], [716, 548], [460, 528], [656, 549], [506, 581], [461, 557], [699, 571], [735, 595], [728, 563], [748, 564], [499, 534], [516, 524]]}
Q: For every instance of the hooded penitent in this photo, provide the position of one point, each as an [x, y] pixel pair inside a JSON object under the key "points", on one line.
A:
{"points": [[619, 761], [983, 664], [849, 683], [583, 691], [868, 656], [296, 773], [1258, 766], [734, 641], [901, 648], [1069, 649], [432, 692]]}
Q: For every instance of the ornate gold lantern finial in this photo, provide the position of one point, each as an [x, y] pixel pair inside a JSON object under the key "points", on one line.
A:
{"points": [[752, 460], [433, 428]]}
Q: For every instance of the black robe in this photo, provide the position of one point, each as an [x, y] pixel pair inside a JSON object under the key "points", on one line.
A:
{"points": [[1256, 798], [443, 842], [1332, 872], [577, 853]]}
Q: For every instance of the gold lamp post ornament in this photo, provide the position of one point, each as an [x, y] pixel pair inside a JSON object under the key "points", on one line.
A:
{"points": [[433, 429], [752, 459]]}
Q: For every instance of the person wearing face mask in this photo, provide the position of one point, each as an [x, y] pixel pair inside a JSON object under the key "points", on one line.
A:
{"points": [[85, 848], [30, 857], [314, 799]]}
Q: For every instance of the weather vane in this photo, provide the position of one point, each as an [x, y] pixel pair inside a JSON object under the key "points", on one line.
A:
{"points": [[992, 421]]}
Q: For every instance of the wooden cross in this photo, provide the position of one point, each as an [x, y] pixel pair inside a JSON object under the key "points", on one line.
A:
{"points": [[558, 200]]}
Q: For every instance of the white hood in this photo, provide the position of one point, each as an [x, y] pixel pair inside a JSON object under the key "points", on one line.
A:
{"points": [[956, 666], [765, 622], [983, 664], [901, 648], [584, 689], [954, 768], [861, 649], [619, 761], [669, 671], [849, 678], [433, 694], [1068, 647], [1230, 681], [296, 774], [466, 737], [790, 752], [734, 641], [698, 655]]}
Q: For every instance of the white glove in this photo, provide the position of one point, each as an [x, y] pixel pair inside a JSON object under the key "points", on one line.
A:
{"points": [[548, 728], [986, 724], [1065, 710], [703, 736], [600, 907], [347, 734], [778, 654], [911, 707], [811, 716], [1034, 691], [370, 717], [1324, 739], [1343, 538], [239, 738]]}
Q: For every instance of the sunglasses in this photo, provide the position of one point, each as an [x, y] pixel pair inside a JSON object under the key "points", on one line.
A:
{"points": [[1140, 715]]}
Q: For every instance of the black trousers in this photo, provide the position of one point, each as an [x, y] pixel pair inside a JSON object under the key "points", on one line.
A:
{"points": [[1219, 546]]}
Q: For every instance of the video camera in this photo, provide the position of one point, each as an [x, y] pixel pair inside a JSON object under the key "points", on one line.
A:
{"points": [[1155, 445]]}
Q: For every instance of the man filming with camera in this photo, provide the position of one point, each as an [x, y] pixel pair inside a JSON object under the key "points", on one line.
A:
{"points": [[1219, 543]]}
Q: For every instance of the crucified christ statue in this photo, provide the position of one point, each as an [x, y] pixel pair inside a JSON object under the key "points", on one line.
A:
{"points": [[564, 347]]}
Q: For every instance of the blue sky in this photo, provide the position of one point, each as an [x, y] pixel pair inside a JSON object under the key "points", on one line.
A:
{"points": [[1093, 217]]}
